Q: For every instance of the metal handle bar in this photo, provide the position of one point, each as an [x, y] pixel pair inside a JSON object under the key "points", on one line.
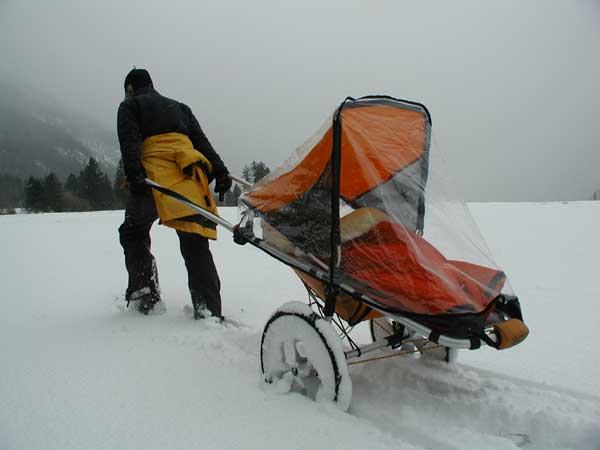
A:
{"points": [[240, 181]]}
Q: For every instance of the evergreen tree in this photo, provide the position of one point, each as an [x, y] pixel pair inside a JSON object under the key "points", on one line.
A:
{"points": [[106, 199], [71, 199], [255, 171], [72, 184], [119, 191], [232, 196], [34, 195], [259, 170], [12, 194], [247, 174], [237, 191], [53, 193], [227, 199], [95, 187]]}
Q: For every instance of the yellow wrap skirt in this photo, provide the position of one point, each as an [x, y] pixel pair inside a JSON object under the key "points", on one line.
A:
{"points": [[164, 156]]}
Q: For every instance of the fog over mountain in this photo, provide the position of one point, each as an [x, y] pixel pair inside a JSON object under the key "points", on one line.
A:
{"points": [[512, 85], [39, 135]]}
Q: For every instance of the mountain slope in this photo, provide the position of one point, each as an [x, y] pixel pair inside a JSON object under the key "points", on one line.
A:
{"points": [[38, 136]]}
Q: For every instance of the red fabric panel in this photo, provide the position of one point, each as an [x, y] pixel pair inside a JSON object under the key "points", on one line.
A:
{"points": [[417, 277]]}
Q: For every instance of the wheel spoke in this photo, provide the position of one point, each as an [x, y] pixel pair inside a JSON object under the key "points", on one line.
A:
{"points": [[306, 369], [301, 350], [289, 353]]}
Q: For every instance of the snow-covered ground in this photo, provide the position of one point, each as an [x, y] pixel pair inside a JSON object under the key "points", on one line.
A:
{"points": [[80, 372]]}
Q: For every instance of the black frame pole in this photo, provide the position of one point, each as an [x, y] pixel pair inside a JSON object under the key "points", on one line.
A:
{"points": [[332, 291]]}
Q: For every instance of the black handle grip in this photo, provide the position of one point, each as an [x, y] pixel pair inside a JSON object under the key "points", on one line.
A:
{"points": [[221, 196]]}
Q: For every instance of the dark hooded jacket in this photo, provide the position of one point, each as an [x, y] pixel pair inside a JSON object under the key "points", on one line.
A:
{"points": [[146, 114]]}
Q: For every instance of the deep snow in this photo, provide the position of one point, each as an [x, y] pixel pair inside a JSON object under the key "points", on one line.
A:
{"points": [[81, 372]]}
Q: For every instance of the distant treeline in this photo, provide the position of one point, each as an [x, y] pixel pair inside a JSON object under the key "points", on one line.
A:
{"points": [[90, 190], [11, 193]]}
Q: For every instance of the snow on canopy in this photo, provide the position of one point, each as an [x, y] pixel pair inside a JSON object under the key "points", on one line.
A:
{"points": [[352, 202]]}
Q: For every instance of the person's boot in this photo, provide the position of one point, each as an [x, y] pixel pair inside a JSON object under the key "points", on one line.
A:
{"points": [[203, 310], [146, 304], [146, 301]]}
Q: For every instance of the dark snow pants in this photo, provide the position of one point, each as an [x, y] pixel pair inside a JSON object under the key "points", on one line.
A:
{"points": [[134, 235]]}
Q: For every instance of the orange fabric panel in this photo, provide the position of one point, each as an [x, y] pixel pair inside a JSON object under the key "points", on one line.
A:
{"points": [[381, 138], [345, 306], [291, 185]]}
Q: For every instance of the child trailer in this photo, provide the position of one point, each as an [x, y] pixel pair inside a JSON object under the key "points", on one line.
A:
{"points": [[348, 212]]}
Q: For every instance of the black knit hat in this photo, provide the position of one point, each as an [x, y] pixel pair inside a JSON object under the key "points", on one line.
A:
{"points": [[138, 78]]}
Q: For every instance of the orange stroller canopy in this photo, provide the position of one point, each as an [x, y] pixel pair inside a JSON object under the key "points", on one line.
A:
{"points": [[350, 204], [378, 140]]}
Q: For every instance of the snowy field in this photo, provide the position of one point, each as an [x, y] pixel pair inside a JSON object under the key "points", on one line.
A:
{"points": [[78, 371]]}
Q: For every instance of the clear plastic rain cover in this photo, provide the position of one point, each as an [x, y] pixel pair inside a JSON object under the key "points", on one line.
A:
{"points": [[363, 205]]}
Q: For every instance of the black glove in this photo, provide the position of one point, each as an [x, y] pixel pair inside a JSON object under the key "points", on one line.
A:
{"points": [[137, 187], [222, 184], [238, 238]]}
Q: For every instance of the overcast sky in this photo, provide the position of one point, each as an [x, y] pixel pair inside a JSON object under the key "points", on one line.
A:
{"points": [[513, 86]]}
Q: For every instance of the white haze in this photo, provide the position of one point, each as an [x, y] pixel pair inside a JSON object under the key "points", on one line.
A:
{"points": [[512, 85]]}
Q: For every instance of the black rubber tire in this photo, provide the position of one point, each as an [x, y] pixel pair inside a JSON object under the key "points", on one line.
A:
{"points": [[295, 322]]}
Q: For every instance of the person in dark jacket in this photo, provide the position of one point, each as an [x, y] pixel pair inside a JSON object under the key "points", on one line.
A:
{"points": [[149, 123]]}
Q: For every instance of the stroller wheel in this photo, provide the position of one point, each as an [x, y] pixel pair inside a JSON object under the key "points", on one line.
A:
{"points": [[301, 352]]}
